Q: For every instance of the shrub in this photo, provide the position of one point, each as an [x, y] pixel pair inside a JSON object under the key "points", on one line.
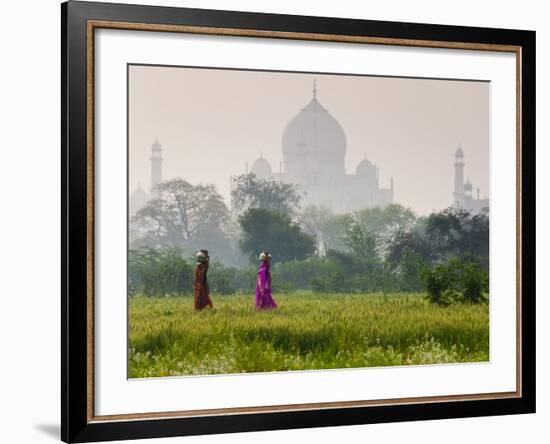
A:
{"points": [[159, 272], [474, 283], [458, 280], [438, 280], [450, 296], [312, 273], [221, 279], [244, 279]]}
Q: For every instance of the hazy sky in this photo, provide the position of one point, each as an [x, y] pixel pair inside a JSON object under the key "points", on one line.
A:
{"points": [[210, 122]]}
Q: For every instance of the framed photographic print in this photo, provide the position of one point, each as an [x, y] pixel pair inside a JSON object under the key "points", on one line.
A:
{"points": [[275, 221]]}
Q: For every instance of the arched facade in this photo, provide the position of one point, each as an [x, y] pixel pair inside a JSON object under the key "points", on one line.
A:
{"points": [[314, 150]]}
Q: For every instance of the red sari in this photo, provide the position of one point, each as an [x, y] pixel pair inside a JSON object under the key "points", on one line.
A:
{"points": [[202, 291]]}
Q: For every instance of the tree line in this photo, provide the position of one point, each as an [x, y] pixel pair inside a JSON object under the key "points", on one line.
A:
{"points": [[374, 249]]}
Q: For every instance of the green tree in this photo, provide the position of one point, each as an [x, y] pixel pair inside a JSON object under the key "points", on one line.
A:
{"points": [[273, 230], [412, 241], [454, 232], [364, 244], [386, 222], [442, 236], [317, 221], [410, 270], [334, 233], [250, 191]]}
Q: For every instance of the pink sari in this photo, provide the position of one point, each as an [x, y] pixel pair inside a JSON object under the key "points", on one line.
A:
{"points": [[264, 300]]}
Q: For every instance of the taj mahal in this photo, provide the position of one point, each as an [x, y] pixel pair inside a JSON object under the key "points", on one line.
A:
{"points": [[314, 150], [314, 147]]}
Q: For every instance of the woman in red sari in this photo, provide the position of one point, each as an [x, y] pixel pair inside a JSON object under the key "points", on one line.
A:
{"points": [[202, 291]]}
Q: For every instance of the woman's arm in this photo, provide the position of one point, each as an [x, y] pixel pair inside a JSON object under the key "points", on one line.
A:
{"points": [[259, 283]]}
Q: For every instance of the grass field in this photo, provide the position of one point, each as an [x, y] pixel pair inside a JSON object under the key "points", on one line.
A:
{"points": [[168, 338]]}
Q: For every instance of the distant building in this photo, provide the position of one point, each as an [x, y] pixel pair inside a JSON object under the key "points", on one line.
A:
{"points": [[139, 197], [462, 195], [314, 151]]}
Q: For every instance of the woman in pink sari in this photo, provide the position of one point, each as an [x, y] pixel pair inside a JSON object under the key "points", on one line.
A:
{"points": [[264, 300]]}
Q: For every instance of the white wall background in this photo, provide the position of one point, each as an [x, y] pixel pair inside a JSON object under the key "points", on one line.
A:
{"points": [[30, 208]]}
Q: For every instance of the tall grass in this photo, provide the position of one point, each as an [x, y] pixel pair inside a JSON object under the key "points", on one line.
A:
{"points": [[168, 338]]}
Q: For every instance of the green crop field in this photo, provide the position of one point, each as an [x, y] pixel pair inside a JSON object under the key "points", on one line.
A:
{"points": [[168, 338]]}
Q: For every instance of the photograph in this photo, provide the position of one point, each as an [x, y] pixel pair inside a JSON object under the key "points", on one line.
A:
{"points": [[302, 221]]}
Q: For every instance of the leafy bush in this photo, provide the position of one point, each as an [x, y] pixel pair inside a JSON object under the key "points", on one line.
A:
{"points": [[244, 279], [159, 272], [221, 279], [474, 283], [302, 274], [438, 280], [450, 296], [458, 280]]}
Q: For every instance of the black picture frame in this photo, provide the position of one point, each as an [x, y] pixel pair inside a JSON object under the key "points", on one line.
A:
{"points": [[76, 423]]}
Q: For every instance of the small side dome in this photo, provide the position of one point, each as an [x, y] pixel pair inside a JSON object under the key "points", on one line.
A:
{"points": [[138, 199], [468, 185], [261, 168], [140, 193], [365, 168]]}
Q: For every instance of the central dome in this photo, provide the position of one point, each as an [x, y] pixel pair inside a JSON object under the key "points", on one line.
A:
{"points": [[313, 132]]}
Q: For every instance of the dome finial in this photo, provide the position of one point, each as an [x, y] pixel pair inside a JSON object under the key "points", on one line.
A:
{"points": [[314, 88]]}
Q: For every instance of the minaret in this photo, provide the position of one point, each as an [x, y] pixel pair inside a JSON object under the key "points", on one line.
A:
{"points": [[458, 195], [156, 165], [314, 88]]}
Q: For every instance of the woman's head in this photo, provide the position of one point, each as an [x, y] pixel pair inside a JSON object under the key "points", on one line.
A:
{"points": [[265, 256], [202, 256]]}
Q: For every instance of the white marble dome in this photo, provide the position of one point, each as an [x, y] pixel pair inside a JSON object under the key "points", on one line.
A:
{"points": [[261, 168], [314, 132]]}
